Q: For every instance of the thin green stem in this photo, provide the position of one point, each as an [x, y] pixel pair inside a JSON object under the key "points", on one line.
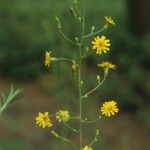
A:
{"points": [[64, 139], [75, 118], [95, 138], [71, 128], [77, 9], [93, 121], [67, 38], [80, 108], [94, 33], [65, 59], [69, 141], [94, 89], [79, 80]]}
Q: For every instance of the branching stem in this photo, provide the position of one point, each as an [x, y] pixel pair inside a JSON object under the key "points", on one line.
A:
{"points": [[93, 121], [94, 89], [94, 33], [64, 139], [65, 59], [71, 128], [67, 38]]}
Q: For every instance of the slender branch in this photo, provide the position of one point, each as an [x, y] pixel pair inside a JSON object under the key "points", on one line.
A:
{"points": [[77, 9], [67, 38], [94, 33], [76, 118], [93, 121], [85, 55], [95, 138], [74, 130], [64, 59], [64, 139], [93, 90]]}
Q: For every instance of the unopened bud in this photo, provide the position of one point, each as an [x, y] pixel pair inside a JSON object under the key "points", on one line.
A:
{"points": [[76, 39], [100, 117], [92, 29], [74, 68], [81, 82], [54, 134], [87, 49], [105, 26], [97, 132], [58, 22], [98, 78], [72, 11], [75, 2], [80, 19]]}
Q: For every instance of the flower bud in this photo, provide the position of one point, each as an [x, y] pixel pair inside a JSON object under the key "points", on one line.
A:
{"points": [[92, 29], [76, 39], [87, 49], [105, 26], [72, 11], [97, 132], [54, 134], [81, 82], [75, 2], [74, 68], [58, 22], [80, 19], [98, 78]]}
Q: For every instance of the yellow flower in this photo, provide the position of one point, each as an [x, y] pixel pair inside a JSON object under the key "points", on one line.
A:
{"points": [[87, 148], [48, 59], [107, 65], [101, 44], [43, 120], [109, 108], [110, 21], [62, 116]]}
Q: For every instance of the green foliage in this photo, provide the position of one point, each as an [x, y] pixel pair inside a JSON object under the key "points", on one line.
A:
{"points": [[6, 99]]}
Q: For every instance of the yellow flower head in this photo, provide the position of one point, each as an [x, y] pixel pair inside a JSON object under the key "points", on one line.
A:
{"points": [[43, 120], [62, 116], [109, 108], [107, 65], [101, 44], [110, 21], [87, 148], [48, 59]]}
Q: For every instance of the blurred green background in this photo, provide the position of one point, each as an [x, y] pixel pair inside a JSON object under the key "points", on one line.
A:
{"points": [[28, 29]]}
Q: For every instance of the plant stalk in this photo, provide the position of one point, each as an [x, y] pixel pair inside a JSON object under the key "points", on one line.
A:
{"points": [[79, 80]]}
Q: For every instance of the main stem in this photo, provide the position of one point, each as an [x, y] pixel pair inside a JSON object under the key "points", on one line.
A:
{"points": [[80, 106], [79, 80], [80, 90]]}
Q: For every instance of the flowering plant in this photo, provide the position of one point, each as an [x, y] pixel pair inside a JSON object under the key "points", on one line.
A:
{"points": [[100, 45]]}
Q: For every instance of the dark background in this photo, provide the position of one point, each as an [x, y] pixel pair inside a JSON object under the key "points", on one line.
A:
{"points": [[28, 29]]}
